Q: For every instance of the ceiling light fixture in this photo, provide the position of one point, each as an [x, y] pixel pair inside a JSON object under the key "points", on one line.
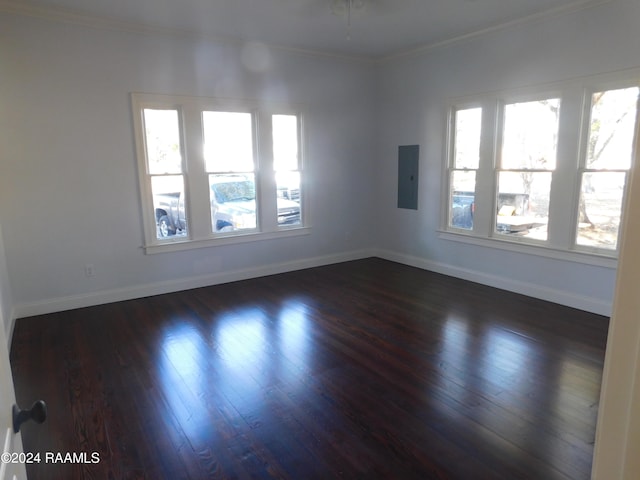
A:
{"points": [[344, 8]]}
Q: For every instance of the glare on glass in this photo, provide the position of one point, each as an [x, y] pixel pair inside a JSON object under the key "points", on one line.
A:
{"points": [[468, 125], [611, 129], [162, 136], [288, 185], [285, 142], [286, 163], [530, 135], [228, 141]]}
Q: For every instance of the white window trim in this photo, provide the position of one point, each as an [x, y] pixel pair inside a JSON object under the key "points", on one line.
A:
{"points": [[503, 100], [561, 245], [530, 248], [589, 90], [450, 162], [176, 245], [200, 233]]}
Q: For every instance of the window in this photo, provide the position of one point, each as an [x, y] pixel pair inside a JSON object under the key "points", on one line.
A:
{"points": [[164, 167], [465, 161], [527, 159], [531, 169], [606, 162], [207, 177], [286, 164], [230, 165]]}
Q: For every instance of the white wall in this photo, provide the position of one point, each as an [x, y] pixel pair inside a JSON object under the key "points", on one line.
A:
{"points": [[414, 92], [69, 194], [618, 432], [69, 190], [6, 320]]}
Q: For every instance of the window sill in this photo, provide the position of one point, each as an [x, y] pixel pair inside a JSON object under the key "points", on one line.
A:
{"points": [[176, 245], [587, 258]]}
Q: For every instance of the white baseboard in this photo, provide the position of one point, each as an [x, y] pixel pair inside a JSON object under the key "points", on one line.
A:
{"points": [[60, 304], [581, 302]]}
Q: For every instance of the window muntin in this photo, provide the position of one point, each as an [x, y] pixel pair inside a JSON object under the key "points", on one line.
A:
{"points": [[608, 157], [528, 156], [467, 127]]}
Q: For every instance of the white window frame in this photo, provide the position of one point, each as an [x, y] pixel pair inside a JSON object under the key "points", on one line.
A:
{"points": [[575, 105], [451, 167], [589, 91], [200, 231], [498, 135], [301, 164]]}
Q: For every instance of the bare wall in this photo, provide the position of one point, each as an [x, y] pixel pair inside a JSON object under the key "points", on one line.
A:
{"points": [[6, 322], [69, 190], [414, 91]]}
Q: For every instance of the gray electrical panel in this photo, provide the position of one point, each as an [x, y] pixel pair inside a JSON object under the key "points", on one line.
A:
{"points": [[408, 161]]}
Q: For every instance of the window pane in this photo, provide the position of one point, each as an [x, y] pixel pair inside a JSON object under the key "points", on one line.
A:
{"points": [[168, 204], [600, 209], [228, 140], [285, 142], [467, 139], [162, 132], [611, 130], [233, 202], [288, 185], [286, 163], [523, 204], [462, 204], [530, 136]]}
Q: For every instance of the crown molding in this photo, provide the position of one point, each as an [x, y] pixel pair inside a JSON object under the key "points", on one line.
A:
{"points": [[80, 18], [69, 16], [60, 15], [573, 7]]}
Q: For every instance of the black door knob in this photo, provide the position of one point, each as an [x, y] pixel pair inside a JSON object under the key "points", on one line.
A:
{"points": [[37, 413]]}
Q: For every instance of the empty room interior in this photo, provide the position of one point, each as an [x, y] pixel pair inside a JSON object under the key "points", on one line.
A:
{"points": [[309, 239]]}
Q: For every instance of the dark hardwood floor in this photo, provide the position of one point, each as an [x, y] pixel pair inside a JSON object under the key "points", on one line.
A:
{"points": [[361, 370]]}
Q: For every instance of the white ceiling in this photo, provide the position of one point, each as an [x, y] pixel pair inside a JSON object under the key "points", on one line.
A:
{"points": [[382, 28]]}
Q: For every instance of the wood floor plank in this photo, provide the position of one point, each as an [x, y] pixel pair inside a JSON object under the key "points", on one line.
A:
{"points": [[366, 369]]}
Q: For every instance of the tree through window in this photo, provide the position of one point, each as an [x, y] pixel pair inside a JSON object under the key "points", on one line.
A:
{"points": [[528, 158], [608, 158]]}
